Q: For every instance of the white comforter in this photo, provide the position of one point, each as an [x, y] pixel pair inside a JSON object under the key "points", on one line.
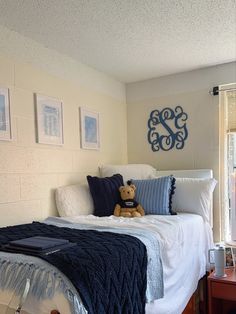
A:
{"points": [[184, 242]]}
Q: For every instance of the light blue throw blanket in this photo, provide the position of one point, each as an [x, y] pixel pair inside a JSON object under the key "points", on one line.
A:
{"points": [[46, 279]]}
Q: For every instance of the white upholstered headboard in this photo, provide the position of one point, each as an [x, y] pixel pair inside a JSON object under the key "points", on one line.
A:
{"points": [[195, 173]]}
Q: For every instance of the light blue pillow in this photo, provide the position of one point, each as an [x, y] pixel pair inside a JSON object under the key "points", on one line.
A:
{"points": [[155, 195]]}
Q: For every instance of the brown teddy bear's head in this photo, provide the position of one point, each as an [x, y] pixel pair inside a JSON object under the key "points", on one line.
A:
{"points": [[127, 192]]}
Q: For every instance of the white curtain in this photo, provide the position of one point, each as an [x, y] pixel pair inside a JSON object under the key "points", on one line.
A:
{"points": [[227, 124]]}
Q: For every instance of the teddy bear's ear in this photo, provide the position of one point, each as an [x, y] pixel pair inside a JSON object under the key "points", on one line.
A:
{"points": [[121, 188], [133, 186]]}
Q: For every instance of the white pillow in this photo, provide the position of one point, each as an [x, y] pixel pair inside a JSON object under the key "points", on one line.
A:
{"points": [[130, 171], [74, 200], [194, 196]]}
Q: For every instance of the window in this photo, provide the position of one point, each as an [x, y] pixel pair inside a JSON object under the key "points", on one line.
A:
{"points": [[228, 161]]}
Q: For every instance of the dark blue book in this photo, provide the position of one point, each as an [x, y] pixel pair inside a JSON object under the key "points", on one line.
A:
{"points": [[37, 245]]}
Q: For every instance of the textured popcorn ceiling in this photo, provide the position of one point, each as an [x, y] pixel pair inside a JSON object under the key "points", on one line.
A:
{"points": [[131, 40]]}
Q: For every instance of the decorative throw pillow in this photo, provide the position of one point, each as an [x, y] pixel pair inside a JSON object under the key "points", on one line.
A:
{"points": [[105, 193], [155, 195], [74, 200], [194, 196]]}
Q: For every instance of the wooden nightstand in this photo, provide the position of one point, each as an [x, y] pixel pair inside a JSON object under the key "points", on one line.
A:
{"points": [[222, 292]]}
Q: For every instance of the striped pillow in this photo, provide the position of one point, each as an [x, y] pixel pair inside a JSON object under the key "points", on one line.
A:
{"points": [[155, 195]]}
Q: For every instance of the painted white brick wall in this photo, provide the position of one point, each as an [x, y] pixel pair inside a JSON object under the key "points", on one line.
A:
{"points": [[30, 172]]}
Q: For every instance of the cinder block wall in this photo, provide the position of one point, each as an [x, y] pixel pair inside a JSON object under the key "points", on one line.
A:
{"points": [[30, 172]]}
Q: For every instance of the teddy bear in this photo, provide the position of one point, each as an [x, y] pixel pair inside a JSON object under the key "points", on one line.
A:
{"points": [[128, 207]]}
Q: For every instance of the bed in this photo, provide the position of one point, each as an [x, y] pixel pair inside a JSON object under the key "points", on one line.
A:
{"points": [[182, 240]]}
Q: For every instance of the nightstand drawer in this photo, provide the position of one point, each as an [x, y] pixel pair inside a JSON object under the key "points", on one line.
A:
{"points": [[223, 291]]}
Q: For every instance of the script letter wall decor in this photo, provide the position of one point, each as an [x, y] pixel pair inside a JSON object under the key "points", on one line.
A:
{"points": [[167, 129]]}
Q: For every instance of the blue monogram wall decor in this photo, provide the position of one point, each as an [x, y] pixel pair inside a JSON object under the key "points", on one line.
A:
{"points": [[167, 129]]}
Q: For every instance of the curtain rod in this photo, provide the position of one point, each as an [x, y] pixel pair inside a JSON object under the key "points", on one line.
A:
{"points": [[215, 90]]}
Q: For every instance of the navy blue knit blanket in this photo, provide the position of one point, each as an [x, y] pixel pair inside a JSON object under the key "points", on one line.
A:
{"points": [[107, 269]]}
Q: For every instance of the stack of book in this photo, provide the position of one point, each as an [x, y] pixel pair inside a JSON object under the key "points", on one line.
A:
{"points": [[37, 245]]}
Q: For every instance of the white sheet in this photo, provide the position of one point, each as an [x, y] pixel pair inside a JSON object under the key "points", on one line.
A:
{"points": [[184, 241]]}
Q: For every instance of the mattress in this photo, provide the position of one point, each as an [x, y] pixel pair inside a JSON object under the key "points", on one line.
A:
{"points": [[183, 239]]}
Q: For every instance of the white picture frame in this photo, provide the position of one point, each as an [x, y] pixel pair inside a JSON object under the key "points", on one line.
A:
{"points": [[234, 255], [49, 120], [5, 116], [89, 129], [229, 257]]}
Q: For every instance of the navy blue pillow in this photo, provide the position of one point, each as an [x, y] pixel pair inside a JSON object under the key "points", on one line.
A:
{"points": [[155, 195], [105, 193]]}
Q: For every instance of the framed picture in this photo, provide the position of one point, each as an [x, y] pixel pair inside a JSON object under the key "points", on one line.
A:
{"points": [[49, 120], [5, 118], [89, 127], [229, 257], [234, 255]]}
